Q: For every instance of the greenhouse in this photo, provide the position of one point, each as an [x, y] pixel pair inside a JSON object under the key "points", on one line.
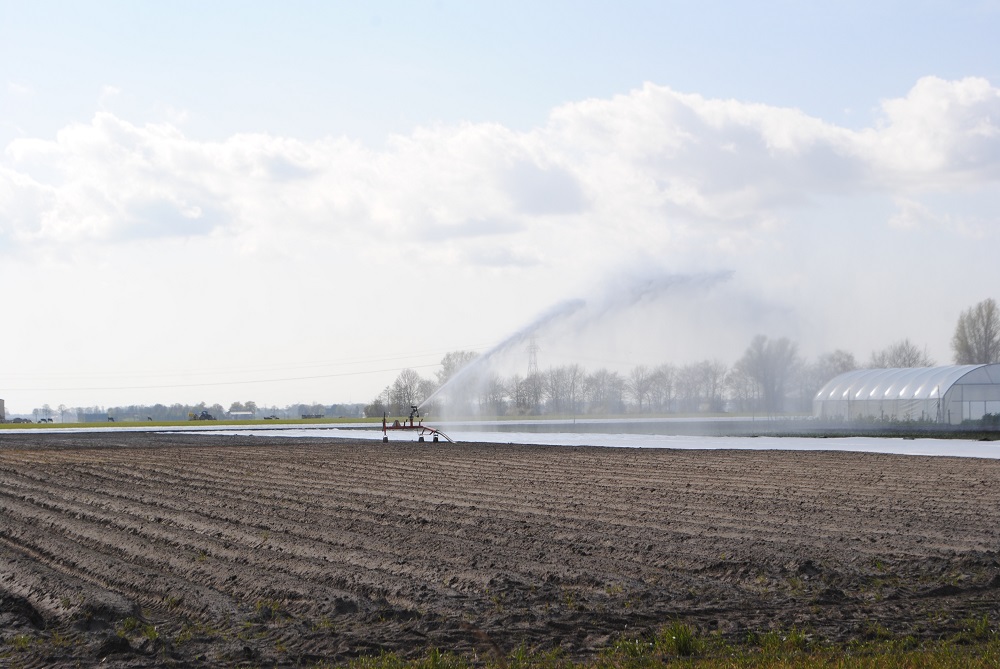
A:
{"points": [[949, 394]]}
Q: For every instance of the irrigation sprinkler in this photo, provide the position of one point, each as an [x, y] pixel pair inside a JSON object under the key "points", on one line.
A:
{"points": [[414, 422]]}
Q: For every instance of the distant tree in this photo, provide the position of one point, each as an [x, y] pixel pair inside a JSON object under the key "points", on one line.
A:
{"points": [[378, 407], [575, 380], [741, 387], [535, 389], [639, 385], [977, 335], [425, 389], [556, 388], [237, 406], [494, 398], [835, 363], [604, 390], [770, 363], [689, 388], [314, 409], [525, 393], [616, 393], [713, 376], [812, 377], [903, 353], [405, 391], [662, 392], [517, 389], [463, 389], [452, 362]]}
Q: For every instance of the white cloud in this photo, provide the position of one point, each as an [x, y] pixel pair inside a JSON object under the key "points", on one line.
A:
{"points": [[655, 164], [942, 134], [911, 215], [476, 212]]}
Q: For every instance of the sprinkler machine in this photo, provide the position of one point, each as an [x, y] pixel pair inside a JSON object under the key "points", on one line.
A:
{"points": [[414, 422]]}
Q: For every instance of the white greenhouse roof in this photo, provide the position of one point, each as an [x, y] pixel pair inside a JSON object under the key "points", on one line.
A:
{"points": [[910, 383]]}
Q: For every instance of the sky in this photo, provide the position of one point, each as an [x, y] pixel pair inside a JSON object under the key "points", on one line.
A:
{"points": [[292, 202]]}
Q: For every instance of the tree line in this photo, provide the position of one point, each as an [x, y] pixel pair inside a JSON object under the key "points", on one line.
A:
{"points": [[770, 378], [179, 412]]}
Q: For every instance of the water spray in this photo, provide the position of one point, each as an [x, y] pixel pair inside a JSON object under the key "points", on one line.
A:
{"points": [[557, 313], [615, 299]]}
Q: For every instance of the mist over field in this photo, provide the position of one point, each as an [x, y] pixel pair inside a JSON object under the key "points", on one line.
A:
{"points": [[634, 318]]}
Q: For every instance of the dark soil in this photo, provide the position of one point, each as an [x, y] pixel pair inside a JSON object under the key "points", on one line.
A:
{"points": [[143, 549]]}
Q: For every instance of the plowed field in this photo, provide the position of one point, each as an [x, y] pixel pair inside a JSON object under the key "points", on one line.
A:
{"points": [[150, 549]]}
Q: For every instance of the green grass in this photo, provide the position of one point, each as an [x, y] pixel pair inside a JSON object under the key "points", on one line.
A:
{"points": [[645, 655], [677, 644], [136, 627], [680, 645]]}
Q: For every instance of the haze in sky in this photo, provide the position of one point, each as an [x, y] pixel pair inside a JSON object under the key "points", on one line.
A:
{"points": [[286, 202]]}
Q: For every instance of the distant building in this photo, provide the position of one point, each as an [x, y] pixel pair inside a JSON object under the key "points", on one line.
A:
{"points": [[240, 415], [950, 394], [3, 415]]}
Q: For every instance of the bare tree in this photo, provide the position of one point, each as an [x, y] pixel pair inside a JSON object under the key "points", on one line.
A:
{"points": [[452, 362], [770, 363], [575, 379], [713, 375], [689, 388], [378, 406], [556, 388], [661, 395], [813, 377], [494, 396], [425, 388], [903, 353], [977, 335], [616, 393], [517, 389], [535, 392], [604, 391], [742, 388], [640, 384], [835, 363], [405, 391]]}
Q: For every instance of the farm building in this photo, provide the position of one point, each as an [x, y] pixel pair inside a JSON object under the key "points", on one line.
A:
{"points": [[949, 394]]}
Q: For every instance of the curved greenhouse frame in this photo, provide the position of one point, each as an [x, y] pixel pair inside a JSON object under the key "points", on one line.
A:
{"points": [[949, 394]]}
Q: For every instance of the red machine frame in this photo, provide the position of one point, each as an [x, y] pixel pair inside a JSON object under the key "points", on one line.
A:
{"points": [[408, 424]]}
